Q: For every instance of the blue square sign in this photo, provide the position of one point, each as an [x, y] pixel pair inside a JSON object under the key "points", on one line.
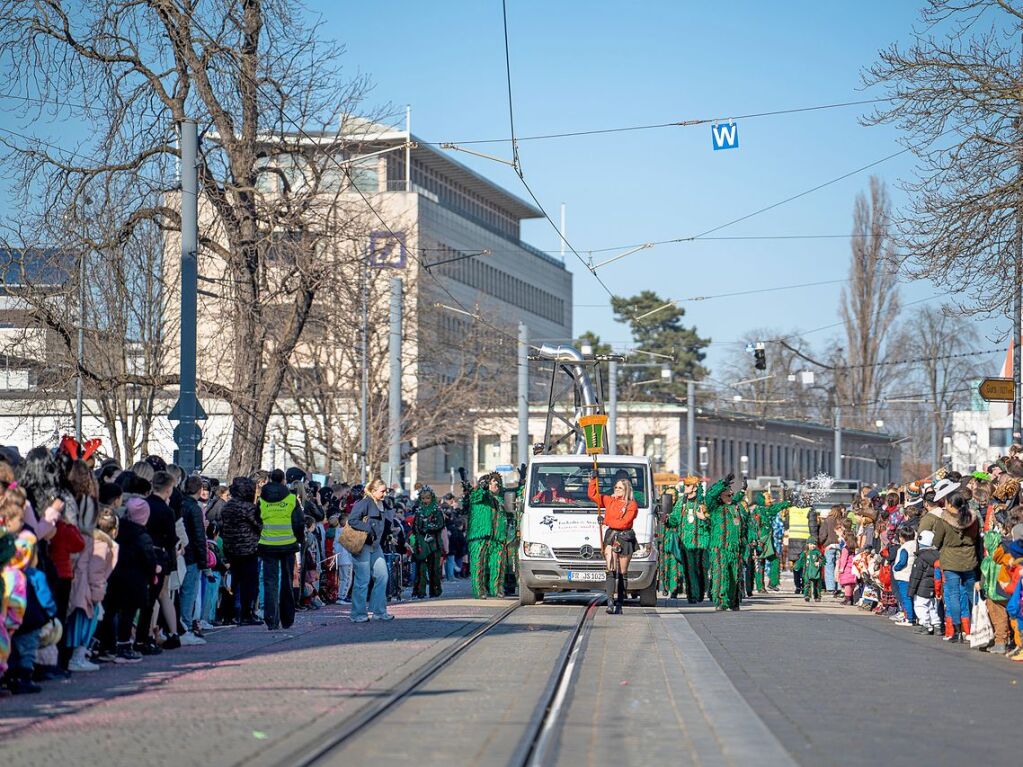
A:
{"points": [[724, 136]]}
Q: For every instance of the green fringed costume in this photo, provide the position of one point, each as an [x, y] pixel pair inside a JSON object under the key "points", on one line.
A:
{"points": [[728, 544], [672, 560], [485, 548], [811, 564], [428, 524], [695, 539], [767, 564]]}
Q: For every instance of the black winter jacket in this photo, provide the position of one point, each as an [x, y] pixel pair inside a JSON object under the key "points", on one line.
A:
{"points": [[921, 579], [191, 515], [240, 528], [128, 585], [161, 529]]}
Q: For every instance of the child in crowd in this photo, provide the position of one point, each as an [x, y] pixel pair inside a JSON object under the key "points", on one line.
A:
{"points": [[92, 571], [921, 586], [311, 566], [39, 607], [846, 572], [902, 569], [811, 565]]}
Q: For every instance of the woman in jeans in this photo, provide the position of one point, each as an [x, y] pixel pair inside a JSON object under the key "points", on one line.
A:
{"points": [[368, 516], [957, 539]]}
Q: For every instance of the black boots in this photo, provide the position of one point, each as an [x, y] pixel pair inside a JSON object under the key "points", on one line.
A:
{"points": [[615, 601]]}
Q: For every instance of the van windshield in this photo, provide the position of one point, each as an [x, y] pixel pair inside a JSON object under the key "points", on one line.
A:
{"points": [[562, 486]]}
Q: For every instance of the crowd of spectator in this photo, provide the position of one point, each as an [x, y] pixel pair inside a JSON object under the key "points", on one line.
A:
{"points": [[942, 556], [107, 564]]}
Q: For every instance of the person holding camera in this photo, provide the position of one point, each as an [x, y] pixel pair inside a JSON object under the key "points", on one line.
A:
{"points": [[368, 516], [616, 512]]}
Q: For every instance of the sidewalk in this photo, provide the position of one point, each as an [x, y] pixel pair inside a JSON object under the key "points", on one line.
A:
{"points": [[246, 690]]}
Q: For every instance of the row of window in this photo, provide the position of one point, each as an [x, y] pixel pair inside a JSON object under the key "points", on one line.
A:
{"points": [[300, 175], [454, 195], [501, 285]]}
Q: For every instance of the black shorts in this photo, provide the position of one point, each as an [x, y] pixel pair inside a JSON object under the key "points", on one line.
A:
{"points": [[626, 539]]}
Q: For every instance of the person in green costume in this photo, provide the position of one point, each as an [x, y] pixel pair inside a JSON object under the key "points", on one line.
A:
{"points": [[671, 562], [504, 525], [811, 564], [483, 508], [728, 543], [764, 514], [695, 537], [427, 525]]}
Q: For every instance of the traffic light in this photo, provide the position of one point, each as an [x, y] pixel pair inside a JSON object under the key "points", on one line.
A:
{"points": [[760, 357]]}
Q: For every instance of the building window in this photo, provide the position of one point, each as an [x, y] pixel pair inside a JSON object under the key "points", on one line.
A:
{"points": [[488, 453], [999, 437], [364, 175], [654, 446], [455, 456]]}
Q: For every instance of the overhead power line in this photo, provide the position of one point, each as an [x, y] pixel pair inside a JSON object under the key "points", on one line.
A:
{"points": [[656, 126]]}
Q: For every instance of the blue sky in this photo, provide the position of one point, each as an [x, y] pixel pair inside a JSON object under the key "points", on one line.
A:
{"points": [[590, 64]]}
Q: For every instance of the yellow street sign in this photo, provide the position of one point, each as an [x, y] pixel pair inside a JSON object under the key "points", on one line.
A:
{"points": [[998, 390]]}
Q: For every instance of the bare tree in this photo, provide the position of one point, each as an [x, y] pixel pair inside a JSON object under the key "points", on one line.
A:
{"points": [[869, 306], [957, 93], [451, 367], [935, 337], [781, 391], [116, 295], [276, 207]]}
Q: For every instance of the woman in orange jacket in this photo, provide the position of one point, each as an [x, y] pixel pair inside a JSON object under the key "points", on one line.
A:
{"points": [[616, 512]]}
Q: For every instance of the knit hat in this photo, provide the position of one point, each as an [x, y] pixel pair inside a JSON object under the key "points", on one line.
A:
{"points": [[294, 474], [927, 538], [137, 510]]}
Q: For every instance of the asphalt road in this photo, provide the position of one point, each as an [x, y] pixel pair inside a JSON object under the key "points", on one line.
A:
{"points": [[777, 683]]}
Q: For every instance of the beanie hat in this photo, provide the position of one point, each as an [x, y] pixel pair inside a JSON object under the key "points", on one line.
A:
{"points": [[137, 510], [294, 474], [913, 494]]}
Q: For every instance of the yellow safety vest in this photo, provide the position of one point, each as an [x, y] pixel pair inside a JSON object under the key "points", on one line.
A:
{"points": [[799, 523], [276, 518]]}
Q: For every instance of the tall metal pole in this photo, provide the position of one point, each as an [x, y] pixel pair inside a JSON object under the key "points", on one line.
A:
{"points": [[612, 407], [408, 148], [1017, 320], [364, 415], [837, 470], [691, 427], [187, 433], [935, 458], [523, 395], [394, 384], [81, 347]]}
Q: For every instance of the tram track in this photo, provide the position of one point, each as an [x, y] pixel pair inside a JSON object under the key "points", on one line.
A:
{"points": [[540, 733]]}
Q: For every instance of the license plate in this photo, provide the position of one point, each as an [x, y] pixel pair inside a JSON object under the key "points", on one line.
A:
{"points": [[586, 575]]}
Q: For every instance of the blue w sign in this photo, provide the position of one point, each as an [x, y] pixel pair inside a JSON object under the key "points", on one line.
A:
{"points": [[724, 136]]}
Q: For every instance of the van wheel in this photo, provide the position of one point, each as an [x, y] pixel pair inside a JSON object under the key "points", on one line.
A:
{"points": [[528, 596], [648, 596]]}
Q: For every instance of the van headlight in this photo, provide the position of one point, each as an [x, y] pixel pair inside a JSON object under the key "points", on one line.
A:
{"points": [[642, 551], [536, 550]]}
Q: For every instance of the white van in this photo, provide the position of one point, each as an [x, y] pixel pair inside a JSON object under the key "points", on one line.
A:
{"points": [[560, 548]]}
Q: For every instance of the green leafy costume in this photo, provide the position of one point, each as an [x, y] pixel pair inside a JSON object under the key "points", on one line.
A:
{"points": [[811, 563], [427, 525], [762, 540], [672, 559], [695, 539], [728, 543], [484, 511]]}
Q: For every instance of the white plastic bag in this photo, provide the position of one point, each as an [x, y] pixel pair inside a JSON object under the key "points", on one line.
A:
{"points": [[982, 633]]}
